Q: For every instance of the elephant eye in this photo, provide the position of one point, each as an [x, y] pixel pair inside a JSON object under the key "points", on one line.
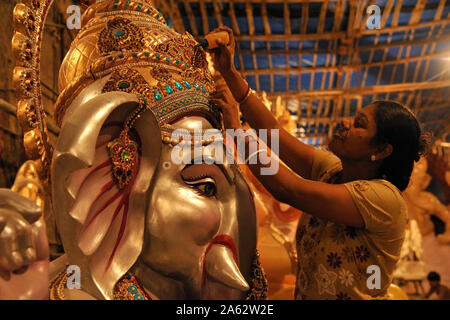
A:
{"points": [[207, 189], [204, 179]]}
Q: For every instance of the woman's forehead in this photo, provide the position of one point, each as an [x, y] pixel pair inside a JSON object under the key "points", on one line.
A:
{"points": [[370, 108], [369, 111]]}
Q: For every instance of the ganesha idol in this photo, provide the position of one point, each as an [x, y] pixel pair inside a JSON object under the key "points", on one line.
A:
{"points": [[138, 225]]}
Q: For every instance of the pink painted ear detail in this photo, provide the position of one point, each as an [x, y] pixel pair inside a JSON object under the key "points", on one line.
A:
{"points": [[99, 174]]}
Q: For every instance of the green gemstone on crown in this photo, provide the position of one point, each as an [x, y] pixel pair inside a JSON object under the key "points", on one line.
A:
{"points": [[168, 59], [169, 89], [119, 33], [196, 86], [158, 56], [203, 89], [177, 61], [157, 95], [187, 84], [178, 86]]}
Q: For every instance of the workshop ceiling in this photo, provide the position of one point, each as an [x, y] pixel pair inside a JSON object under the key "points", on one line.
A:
{"points": [[324, 61]]}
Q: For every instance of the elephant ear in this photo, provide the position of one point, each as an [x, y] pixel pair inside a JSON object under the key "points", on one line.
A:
{"points": [[247, 222], [102, 226]]}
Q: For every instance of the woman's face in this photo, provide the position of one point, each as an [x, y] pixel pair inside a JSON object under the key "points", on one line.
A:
{"points": [[352, 142]]}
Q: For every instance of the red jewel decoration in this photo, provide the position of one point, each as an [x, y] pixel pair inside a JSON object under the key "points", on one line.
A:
{"points": [[122, 152]]}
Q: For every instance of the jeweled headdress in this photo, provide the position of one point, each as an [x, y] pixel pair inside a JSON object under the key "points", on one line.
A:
{"points": [[29, 19], [129, 42]]}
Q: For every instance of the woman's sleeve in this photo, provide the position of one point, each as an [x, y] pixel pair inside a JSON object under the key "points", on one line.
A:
{"points": [[381, 206], [323, 161]]}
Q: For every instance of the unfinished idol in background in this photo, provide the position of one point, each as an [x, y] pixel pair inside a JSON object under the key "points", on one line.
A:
{"points": [[137, 224]]}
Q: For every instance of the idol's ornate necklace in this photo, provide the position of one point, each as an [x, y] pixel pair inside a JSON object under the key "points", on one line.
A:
{"points": [[128, 288]]}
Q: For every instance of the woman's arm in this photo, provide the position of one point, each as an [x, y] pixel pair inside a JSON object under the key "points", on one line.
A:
{"points": [[328, 201], [297, 155]]}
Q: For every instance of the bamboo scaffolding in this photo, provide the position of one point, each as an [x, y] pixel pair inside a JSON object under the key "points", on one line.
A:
{"points": [[217, 13], [340, 70], [445, 38], [358, 91], [204, 14], [251, 31], [191, 17], [386, 13], [234, 23], [176, 16], [287, 30]]}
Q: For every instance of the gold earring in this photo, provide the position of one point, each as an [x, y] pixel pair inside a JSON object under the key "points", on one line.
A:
{"points": [[372, 157]]}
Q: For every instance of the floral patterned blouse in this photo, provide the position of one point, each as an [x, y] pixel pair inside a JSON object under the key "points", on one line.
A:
{"points": [[334, 259]]}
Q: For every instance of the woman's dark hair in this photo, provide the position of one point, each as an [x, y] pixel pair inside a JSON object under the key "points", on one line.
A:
{"points": [[433, 276], [397, 125]]}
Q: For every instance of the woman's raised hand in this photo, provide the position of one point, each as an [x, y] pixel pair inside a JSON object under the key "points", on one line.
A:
{"points": [[222, 56], [223, 98]]}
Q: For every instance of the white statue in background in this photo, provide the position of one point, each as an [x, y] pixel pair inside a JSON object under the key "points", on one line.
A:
{"points": [[421, 204]]}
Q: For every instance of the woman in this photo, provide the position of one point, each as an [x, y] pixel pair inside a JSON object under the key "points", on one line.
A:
{"points": [[350, 239]]}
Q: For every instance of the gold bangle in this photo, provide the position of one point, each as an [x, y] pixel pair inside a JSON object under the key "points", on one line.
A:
{"points": [[247, 95]]}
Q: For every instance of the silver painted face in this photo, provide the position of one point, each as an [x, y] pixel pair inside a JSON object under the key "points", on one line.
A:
{"points": [[192, 225], [190, 230]]}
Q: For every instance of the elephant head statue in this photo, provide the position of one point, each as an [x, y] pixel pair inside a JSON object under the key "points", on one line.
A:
{"points": [[137, 224]]}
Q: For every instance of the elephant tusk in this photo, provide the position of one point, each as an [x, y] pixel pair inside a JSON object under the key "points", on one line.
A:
{"points": [[221, 266]]}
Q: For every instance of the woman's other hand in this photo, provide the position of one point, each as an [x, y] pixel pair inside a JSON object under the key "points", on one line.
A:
{"points": [[223, 98], [223, 55]]}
